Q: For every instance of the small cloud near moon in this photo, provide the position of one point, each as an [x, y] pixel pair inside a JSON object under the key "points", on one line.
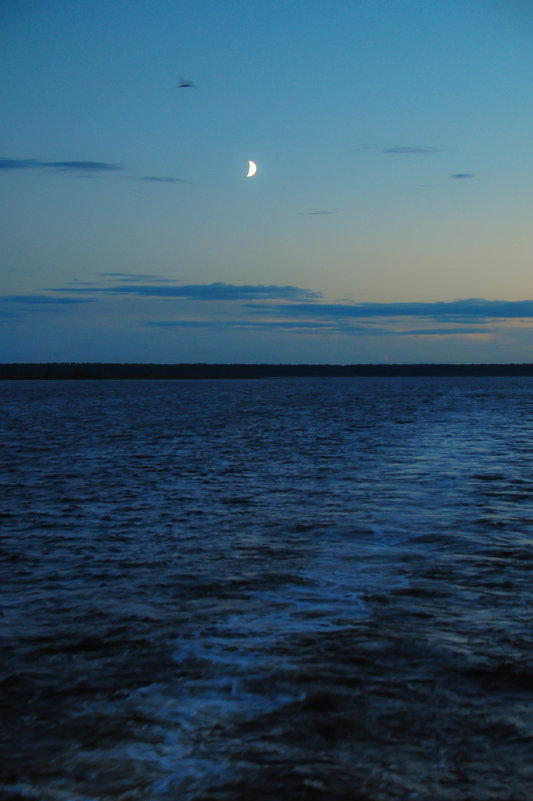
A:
{"points": [[460, 175], [322, 211], [410, 150]]}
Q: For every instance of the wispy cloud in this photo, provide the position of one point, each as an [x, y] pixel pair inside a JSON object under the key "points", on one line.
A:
{"points": [[442, 332], [217, 291], [157, 179], [462, 318], [410, 150], [474, 308], [131, 277], [398, 150], [314, 326], [24, 306], [460, 175], [316, 213], [264, 325], [83, 166], [19, 164], [42, 300], [60, 166], [287, 301], [218, 307]]}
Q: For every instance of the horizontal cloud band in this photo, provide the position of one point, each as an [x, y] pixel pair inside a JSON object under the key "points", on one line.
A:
{"points": [[221, 306], [75, 166], [310, 305], [40, 300], [335, 326], [217, 291], [456, 309]]}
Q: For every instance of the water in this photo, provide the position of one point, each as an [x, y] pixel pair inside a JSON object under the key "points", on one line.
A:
{"points": [[295, 589]]}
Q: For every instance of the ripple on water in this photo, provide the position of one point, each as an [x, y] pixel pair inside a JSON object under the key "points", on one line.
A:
{"points": [[296, 589]]}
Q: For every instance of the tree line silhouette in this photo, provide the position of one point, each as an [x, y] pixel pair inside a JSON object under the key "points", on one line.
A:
{"points": [[96, 370]]}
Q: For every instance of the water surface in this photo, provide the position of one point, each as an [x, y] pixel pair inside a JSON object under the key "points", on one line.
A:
{"points": [[304, 589]]}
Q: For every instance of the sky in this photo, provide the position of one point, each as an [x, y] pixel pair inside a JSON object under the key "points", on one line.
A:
{"points": [[389, 220]]}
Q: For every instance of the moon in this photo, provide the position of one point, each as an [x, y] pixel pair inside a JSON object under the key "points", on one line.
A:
{"points": [[252, 169]]}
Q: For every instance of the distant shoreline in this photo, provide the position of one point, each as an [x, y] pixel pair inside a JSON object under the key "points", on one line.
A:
{"points": [[112, 371]]}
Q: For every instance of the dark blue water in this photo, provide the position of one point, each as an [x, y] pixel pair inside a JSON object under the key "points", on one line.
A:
{"points": [[296, 589]]}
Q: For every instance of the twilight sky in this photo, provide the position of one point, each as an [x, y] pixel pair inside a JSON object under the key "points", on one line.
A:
{"points": [[390, 218]]}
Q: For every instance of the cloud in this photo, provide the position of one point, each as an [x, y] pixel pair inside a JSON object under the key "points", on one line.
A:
{"points": [[83, 166], [441, 332], [22, 305], [292, 301], [314, 326], [220, 307], [156, 179], [86, 167], [266, 325], [19, 164], [460, 175], [455, 310], [315, 213], [217, 291], [40, 300], [410, 150], [129, 277], [59, 166]]}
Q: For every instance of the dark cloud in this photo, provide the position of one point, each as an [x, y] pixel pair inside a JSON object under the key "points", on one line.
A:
{"points": [[280, 308], [22, 305], [61, 166], [441, 332], [313, 213], [410, 150], [310, 326], [456, 310], [292, 325], [40, 300], [156, 179], [19, 164], [298, 302], [217, 291], [130, 277], [377, 331], [460, 175], [83, 166]]}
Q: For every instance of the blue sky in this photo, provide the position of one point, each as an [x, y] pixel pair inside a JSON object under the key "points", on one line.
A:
{"points": [[389, 220]]}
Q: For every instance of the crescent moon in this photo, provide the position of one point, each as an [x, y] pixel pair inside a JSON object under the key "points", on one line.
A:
{"points": [[252, 169]]}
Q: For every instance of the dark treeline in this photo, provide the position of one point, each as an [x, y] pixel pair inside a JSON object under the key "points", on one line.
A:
{"points": [[79, 370]]}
